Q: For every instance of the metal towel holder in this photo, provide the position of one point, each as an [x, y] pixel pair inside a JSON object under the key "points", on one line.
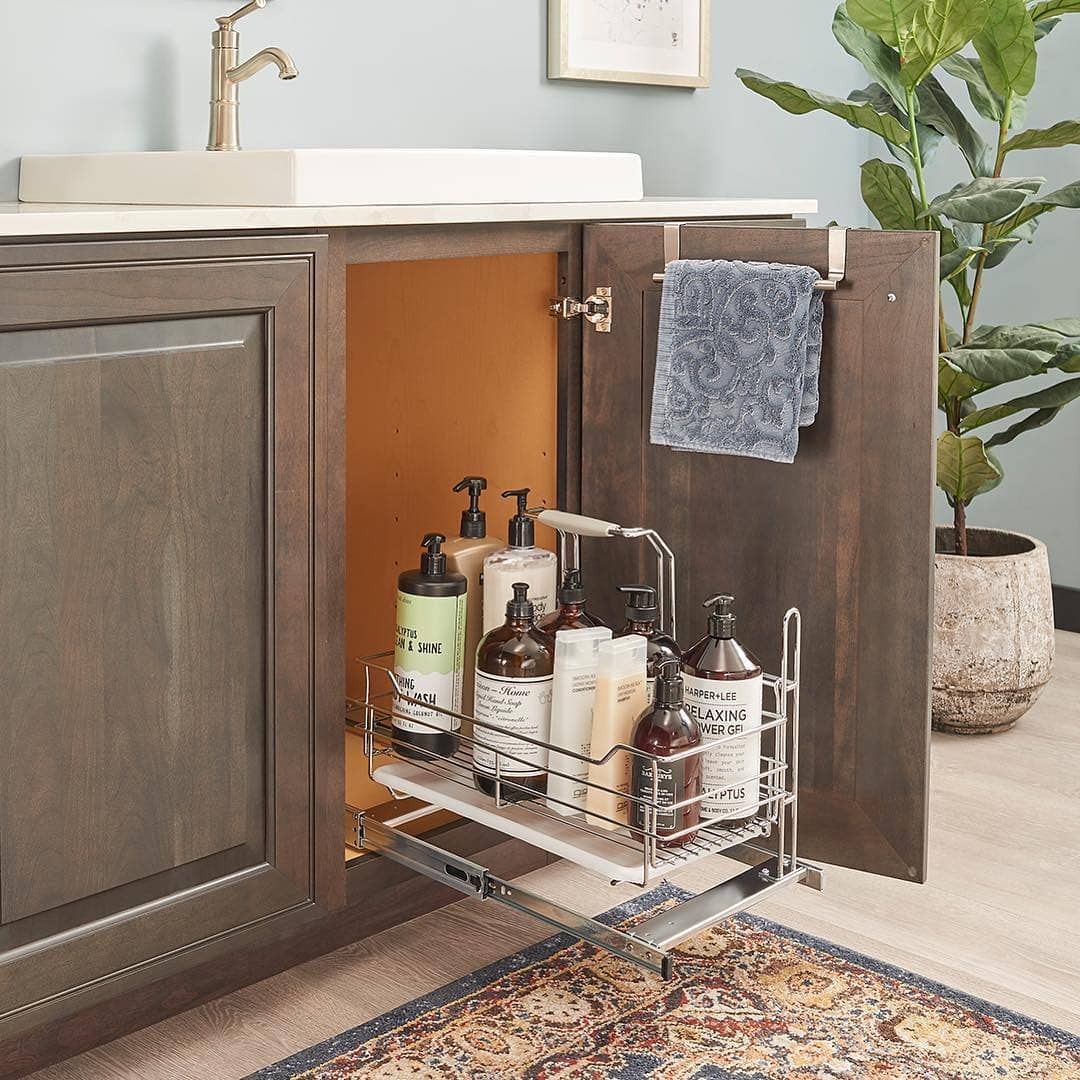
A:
{"points": [[837, 255]]}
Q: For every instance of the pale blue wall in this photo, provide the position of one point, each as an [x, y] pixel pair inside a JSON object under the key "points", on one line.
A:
{"points": [[132, 74]]}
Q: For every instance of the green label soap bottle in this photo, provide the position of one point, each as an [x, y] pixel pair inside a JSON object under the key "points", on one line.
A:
{"points": [[429, 655]]}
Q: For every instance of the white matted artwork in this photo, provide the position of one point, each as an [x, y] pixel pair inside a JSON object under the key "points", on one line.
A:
{"points": [[657, 42]]}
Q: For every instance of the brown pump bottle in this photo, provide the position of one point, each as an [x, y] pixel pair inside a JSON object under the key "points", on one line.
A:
{"points": [[723, 684], [664, 730], [515, 665]]}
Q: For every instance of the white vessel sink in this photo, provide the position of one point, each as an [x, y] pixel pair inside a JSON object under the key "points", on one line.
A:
{"points": [[331, 177]]}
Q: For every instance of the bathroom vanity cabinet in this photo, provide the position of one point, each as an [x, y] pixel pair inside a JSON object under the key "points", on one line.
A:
{"points": [[218, 451]]}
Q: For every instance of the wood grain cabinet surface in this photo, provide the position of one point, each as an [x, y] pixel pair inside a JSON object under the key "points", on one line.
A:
{"points": [[158, 781], [172, 461]]}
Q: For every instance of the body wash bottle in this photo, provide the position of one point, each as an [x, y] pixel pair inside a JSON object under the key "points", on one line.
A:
{"points": [[514, 668], [465, 555], [666, 729], [571, 613], [520, 560], [723, 694], [429, 653], [620, 699], [642, 614], [573, 695]]}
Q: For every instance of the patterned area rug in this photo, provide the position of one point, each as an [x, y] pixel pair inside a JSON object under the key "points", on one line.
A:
{"points": [[751, 1001]]}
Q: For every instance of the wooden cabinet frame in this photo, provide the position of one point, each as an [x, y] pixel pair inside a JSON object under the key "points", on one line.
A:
{"points": [[374, 894]]}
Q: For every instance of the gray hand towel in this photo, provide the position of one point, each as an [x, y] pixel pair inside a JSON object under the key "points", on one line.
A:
{"points": [[739, 358]]}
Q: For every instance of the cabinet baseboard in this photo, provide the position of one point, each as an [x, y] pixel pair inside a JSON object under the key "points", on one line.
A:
{"points": [[1067, 608]]}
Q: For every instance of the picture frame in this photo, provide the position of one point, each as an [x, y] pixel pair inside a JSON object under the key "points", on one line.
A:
{"points": [[644, 42]]}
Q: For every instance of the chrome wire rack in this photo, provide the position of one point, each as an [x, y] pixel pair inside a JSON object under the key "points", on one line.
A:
{"points": [[604, 844]]}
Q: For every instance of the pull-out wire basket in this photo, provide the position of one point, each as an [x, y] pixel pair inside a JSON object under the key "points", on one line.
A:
{"points": [[599, 842]]}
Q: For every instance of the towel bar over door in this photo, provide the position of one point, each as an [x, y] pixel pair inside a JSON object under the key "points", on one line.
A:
{"points": [[837, 255]]}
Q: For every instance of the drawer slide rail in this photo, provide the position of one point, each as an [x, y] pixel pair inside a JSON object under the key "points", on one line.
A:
{"points": [[648, 944]]}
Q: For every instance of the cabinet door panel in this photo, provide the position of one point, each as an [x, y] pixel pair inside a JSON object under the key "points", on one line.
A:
{"points": [[134, 567], [156, 608], [844, 533]]}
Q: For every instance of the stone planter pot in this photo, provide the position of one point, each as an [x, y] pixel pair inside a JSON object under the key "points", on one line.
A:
{"points": [[993, 630]]}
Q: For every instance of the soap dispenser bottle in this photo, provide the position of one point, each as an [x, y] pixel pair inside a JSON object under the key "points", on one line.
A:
{"points": [[465, 554], [571, 613], [520, 560], [642, 615], [723, 684], [515, 664], [664, 730], [429, 653]]}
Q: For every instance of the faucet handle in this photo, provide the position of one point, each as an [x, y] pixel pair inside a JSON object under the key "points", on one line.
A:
{"points": [[226, 21]]}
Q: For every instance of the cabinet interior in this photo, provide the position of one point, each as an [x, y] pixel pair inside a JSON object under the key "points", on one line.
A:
{"points": [[452, 369]]}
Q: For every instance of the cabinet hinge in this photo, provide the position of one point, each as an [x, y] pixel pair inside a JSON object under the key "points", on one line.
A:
{"points": [[598, 308]]}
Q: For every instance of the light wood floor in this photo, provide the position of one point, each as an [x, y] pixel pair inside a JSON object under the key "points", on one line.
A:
{"points": [[1000, 917]]}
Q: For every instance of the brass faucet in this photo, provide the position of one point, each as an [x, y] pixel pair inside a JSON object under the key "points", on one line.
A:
{"points": [[227, 73]]}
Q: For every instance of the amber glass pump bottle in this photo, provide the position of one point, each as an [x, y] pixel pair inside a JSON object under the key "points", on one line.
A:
{"points": [[642, 616], [571, 613], [665, 729], [515, 664]]}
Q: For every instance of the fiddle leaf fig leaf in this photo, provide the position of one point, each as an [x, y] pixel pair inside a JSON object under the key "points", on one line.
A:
{"points": [[1050, 9], [796, 99], [1045, 27], [880, 61], [889, 19], [929, 138], [1066, 133], [959, 260], [984, 99], [1054, 397], [1067, 196], [964, 469], [940, 29], [938, 110], [887, 192], [1006, 46], [1067, 357], [1044, 338], [997, 366], [985, 199], [954, 383], [1037, 419]]}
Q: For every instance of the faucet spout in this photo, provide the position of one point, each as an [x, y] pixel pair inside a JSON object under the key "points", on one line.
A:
{"points": [[280, 58], [227, 73]]}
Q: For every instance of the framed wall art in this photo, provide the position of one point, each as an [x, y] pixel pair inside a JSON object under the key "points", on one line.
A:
{"points": [[654, 42]]}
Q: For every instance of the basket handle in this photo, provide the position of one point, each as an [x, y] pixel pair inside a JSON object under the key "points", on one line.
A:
{"points": [[576, 523]]}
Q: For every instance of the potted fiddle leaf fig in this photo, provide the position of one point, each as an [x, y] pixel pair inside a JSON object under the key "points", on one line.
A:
{"points": [[993, 633]]}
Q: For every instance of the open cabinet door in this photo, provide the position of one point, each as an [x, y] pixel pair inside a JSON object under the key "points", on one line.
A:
{"points": [[845, 533]]}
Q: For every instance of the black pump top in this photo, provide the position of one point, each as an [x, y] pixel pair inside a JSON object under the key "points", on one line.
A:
{"points": [[669, 683], [572, 591], [641, 603], [473, 519], [433, 562], [520, 530], [521, 607], [722, 619]]}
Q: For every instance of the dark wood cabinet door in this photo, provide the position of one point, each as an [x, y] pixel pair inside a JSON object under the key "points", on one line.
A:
{"points": [[158, 780], [844, 533]]}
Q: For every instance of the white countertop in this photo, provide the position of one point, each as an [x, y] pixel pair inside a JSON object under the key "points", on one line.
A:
{"points": [[47, 219]]}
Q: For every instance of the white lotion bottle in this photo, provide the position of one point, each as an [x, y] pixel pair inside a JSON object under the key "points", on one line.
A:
{"points": [[572, 699], [520, 561], [621, 697]]}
